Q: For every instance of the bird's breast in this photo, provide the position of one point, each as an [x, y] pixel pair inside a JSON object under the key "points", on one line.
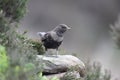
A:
{"points": [[56, 37], [51, 44]]}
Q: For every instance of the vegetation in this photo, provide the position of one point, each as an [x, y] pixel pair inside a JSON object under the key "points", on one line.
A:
{"points": [[14, 9], [115, 32], [17, 53], [18, 72], [37, 46], [93, 72], [69, 76]]}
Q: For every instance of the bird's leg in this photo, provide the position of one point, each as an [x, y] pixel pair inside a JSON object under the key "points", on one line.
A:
{"points": [[46, 52], [57, 52]]}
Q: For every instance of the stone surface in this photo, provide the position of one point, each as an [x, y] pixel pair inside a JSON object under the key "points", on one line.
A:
{"points": [[62, 63]]}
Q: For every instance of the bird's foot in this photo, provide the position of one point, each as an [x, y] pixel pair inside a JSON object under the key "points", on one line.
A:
{"points": [[56, 56]]}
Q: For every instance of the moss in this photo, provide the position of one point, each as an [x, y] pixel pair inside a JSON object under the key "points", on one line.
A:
{"points": [[69, 76], [37, 45]]}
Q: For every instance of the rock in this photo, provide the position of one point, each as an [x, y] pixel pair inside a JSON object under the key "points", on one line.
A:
{"points": [[62, 63]]}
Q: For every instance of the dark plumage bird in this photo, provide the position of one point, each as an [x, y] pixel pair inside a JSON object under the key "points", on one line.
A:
{"points": [[54, 38]]}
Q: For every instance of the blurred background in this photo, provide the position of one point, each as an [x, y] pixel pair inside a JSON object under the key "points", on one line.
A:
{"points": [[90, 21]]}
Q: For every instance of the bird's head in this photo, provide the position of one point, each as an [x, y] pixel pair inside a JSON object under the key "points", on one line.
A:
{"points": [[61, 29]]}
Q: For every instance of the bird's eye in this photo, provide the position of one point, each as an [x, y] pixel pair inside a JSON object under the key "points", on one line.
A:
{"points": [[63, 27]]}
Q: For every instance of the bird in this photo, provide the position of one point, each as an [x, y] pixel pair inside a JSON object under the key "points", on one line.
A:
{"points": [[53, 39]]}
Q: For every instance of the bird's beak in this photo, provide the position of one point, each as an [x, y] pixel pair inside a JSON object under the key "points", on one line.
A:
{"points": [[68, 28]]}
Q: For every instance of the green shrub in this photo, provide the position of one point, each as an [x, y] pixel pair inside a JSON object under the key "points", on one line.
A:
{"points": [[115, 32], [18, 60], [14, 9], [41, 77], [21, 57], [3, 60], [69, 76], [93, 72], [37, 45]]}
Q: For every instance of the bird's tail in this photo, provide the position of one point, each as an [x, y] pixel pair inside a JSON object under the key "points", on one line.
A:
{"points": [[41, 34]]}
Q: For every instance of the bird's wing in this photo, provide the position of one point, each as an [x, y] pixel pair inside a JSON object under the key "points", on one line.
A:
{"points": [[47, 37]]}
